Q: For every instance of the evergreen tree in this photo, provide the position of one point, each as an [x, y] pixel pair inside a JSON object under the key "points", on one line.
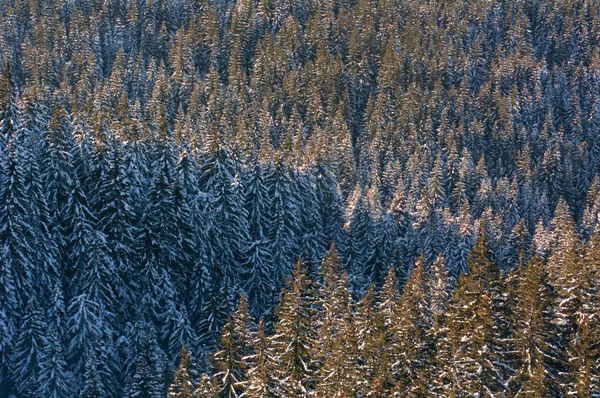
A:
{"points": [[147, 359], [83, 330], [532, 330], [117, 221], [230, 361], [294, 338], [261, 382], [475, 365], [157, 158], [30, 350], [360, 247], [17, 236], [438, 335], [583, 360], [228, 228], [374, 361], [564, 268], [258, 270], [284, 224], [58, 173], [412, 329], [55, 381], [93, 385], [185, 380], [337, 349]]}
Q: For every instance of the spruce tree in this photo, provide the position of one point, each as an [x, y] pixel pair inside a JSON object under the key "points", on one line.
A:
{"points": [[186, 379], [438, 336], [258, 269], [336, 352], [412, 328], [228, 228], [565, 273], [261, 382], [117, 221], [374, 361], [284, 223], [230, 361], [58, 173], [292, 344], [55, 381], [29, 351], [532, 326], [17, 236], [147, 362], [471, 319]]}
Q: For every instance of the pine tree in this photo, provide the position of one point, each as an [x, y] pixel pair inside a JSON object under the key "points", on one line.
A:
{"points": [[88, 338], [331, 205], [390, 312], [58, 173], [214, 313], [564, 268], [102, 102], [117, 221], [160, 213], [312, 241], [82, 223], [583, 360], [177, 330], [583, 351], [57, 313], [207, 388], [360, 247], [93, 385], [95, 274], [8, 106], [228, 228]]}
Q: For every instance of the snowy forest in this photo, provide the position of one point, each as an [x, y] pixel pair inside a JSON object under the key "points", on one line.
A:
{"points": [[299, 198]]}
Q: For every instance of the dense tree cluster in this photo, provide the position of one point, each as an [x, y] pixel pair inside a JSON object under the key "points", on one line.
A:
{"points": [[498, 333], [161, 158]]}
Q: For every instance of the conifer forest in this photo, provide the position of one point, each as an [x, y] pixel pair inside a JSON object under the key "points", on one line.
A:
{"points": [[299, 198]]}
